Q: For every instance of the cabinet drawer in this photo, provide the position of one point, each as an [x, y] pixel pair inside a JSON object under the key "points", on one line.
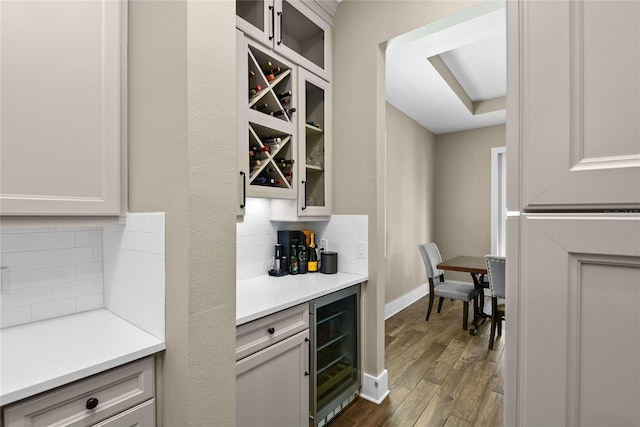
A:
{"points": [[254, 336], [115, 390]]}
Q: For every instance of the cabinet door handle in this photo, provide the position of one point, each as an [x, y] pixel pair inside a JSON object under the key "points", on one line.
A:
{"points": [[280, 16], [92, 403], [304, 195], [244, 190], [271, 330], [308, 371], [273, 24]]}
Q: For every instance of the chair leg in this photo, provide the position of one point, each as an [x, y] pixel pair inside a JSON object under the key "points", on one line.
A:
{"points": [[430, 304], [500, 325], [494, 319], [440, 304], [465, 315]]}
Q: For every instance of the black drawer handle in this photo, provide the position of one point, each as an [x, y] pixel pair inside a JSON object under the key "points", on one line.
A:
{"points": [[92, 403], [271, 330]]}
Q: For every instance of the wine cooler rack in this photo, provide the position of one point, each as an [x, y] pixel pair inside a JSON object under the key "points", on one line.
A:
{"points": [[271, 125]]}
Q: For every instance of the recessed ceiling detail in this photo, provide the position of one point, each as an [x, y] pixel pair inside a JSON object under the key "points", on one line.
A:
{"points": [[462, 85]]}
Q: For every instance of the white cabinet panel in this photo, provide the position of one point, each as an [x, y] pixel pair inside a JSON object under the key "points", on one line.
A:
{"points": [[63, 103], [576, 104], [272, 386], [577, 321]]}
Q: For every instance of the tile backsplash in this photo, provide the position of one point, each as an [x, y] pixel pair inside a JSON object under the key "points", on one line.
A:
{"points": [[257, 235], [56, 272]]}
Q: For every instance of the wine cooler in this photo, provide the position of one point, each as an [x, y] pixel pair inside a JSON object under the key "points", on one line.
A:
{"points": [[335, 354]]}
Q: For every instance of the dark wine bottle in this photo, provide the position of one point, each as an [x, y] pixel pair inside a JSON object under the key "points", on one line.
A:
{"points": [[285, 161], [290, 112], [266, 66], [257, 149], [302, 259], [261, 180], [286, 94], [271, 140], [260, 107], [278, 113], [293, 260], [252, 73]]}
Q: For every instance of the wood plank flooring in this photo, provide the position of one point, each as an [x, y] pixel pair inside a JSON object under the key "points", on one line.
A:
{"points": [[439, 375]]}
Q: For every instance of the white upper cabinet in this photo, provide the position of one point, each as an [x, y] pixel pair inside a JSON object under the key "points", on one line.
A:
{"points": [[290, 27], [63, 108], [576, 104]]}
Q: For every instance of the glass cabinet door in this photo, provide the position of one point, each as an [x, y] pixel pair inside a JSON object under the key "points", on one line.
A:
{"points": [[256, 18], [314, 198]]}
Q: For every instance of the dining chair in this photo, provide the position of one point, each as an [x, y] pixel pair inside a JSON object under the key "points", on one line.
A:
{"points": [[438, 286], [496, 273]]}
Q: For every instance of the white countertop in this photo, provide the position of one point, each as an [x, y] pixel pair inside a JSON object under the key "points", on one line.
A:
{"points": [[264, 295], [39, 356]]}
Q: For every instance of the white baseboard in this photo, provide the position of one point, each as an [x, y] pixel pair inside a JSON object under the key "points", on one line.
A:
{"points": [[375, 389], [405, 301]]}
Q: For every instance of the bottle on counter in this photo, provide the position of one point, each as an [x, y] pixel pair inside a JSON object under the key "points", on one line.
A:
{"points": [[302, 257], [312, 255], [293, 260]]}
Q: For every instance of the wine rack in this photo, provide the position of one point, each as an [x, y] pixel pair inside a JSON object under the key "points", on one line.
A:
{"points": [[267, 144]]}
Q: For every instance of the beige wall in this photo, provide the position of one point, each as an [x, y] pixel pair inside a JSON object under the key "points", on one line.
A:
{"points": [[359, 124], [463, 192], [182, 162], [410, 162]]}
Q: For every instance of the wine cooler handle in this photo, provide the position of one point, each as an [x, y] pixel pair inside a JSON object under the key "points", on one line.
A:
{"points": [[308, 371], [244, 190], [304, 195], [280, 16], [273, 24]]}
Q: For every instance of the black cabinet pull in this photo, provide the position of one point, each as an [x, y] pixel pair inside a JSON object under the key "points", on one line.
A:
{"points": [[273, 24], [271, 330], [304, 195], [92, 403], [280, 16], [244, 190]]}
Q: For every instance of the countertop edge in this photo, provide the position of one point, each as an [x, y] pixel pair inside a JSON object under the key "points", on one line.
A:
{"points": [[99, 365], [352, 279]]}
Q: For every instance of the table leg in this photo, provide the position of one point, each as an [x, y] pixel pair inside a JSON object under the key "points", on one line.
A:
{"points": [[479, 315]]}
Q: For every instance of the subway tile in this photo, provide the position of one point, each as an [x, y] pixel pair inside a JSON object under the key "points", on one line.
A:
{"points": [[15, 316], [89, 302], [89, 238], [138, 222], [97, 254], [10, 242], [65, 273], [27, 296], [52, 240], [26, 260], [72, 256], [73, 289], [49, 310], [88, 270], [17, 279]]}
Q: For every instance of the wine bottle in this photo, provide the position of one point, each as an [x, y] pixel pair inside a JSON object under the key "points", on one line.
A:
{"points": [[261, 180], [312, 262], [255, 162], [302, 259], [266, 66], [260, 107], [293, 260], [278, 113], [252, 73], [270, 77], [270, 170], [290, 112], [314, 124], [285, 161], [257, 149], [286, 94], [271, 140], [287, 173], [276, 70], [254, 90]]}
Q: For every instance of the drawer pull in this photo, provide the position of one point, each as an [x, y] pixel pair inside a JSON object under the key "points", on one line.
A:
{"points": [[271, 330], [92, 403]]}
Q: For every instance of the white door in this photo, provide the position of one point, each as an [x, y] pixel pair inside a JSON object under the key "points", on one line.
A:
{"points": [[573, 293]]}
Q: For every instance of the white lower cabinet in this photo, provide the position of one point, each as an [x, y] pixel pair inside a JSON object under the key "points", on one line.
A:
{"points": [[272, 384], [123, 396]]}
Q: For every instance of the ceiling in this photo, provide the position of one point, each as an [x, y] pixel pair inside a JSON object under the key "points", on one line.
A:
{"points": [[451, 75]]}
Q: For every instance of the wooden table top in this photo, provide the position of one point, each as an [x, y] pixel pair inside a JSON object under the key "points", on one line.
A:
{"points": [[466, 264]]}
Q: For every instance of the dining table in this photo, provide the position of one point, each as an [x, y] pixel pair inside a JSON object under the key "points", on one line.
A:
{"points": [[476, 266]]}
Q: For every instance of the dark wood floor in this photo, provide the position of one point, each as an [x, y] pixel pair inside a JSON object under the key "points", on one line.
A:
{"points": [[439, 375]]}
